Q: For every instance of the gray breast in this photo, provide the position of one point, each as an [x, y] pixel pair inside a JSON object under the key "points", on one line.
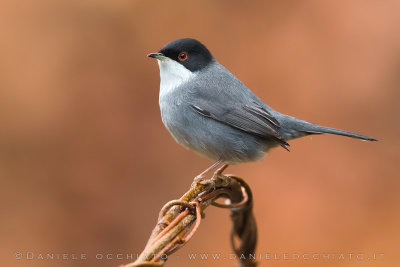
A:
{"points": [[203, 135]]}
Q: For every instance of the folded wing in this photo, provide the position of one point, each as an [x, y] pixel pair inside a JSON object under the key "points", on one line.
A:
{"points": [[251, 118]]}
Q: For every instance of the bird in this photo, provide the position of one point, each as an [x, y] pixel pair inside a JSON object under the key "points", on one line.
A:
{"points": [[211, 112]]}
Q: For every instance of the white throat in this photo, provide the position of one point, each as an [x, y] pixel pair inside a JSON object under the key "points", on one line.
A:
{"points": [[172, 75]]}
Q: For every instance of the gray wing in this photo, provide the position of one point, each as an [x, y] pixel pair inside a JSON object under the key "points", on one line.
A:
{"points": [[251, 118]]}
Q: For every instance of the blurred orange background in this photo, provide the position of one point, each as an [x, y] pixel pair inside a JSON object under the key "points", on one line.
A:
{"points": [[86, 164]]}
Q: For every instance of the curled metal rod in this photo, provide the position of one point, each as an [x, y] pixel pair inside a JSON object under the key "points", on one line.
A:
{"points": [[180, 219]]}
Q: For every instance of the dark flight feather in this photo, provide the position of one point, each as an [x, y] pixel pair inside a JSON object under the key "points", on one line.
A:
{"points": [[252, 119]]}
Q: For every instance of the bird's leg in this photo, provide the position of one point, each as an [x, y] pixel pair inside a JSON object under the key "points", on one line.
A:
{"points": [[202, 175], [221, 169]]}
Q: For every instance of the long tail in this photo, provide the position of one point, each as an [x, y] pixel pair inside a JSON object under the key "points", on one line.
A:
{"points": [[305, 128]]}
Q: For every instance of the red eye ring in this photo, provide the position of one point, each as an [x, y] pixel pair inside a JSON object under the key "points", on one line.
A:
{"points": [[183, 56]]}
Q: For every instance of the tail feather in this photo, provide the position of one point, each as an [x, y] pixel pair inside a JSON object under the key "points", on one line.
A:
{"points": [[310, 128], [321, 130]]}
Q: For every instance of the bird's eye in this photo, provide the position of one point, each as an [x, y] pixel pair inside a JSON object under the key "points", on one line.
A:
{"points": [[183, 56]]}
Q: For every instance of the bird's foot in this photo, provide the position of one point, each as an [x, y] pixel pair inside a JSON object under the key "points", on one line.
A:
{"points": [[204, 179], [203, 176], [199, 178], [220, 170]]}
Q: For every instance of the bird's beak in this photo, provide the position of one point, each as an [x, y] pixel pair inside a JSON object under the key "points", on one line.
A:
{"points": [[159, 56]]}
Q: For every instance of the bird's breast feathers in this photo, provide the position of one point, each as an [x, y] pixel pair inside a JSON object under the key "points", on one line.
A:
{"points": [[172, 76]]}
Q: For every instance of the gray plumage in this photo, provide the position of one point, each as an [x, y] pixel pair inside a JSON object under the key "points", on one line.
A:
{"points": [[214, 114]]}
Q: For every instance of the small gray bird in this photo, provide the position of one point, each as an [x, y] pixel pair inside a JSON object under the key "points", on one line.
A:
{"points": [[208, 110]]}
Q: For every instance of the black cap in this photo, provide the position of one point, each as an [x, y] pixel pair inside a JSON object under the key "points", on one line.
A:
{"points": [[189, 52]]}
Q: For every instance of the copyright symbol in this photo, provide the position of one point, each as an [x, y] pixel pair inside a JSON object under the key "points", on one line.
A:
{"points": [[18, 255]]}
